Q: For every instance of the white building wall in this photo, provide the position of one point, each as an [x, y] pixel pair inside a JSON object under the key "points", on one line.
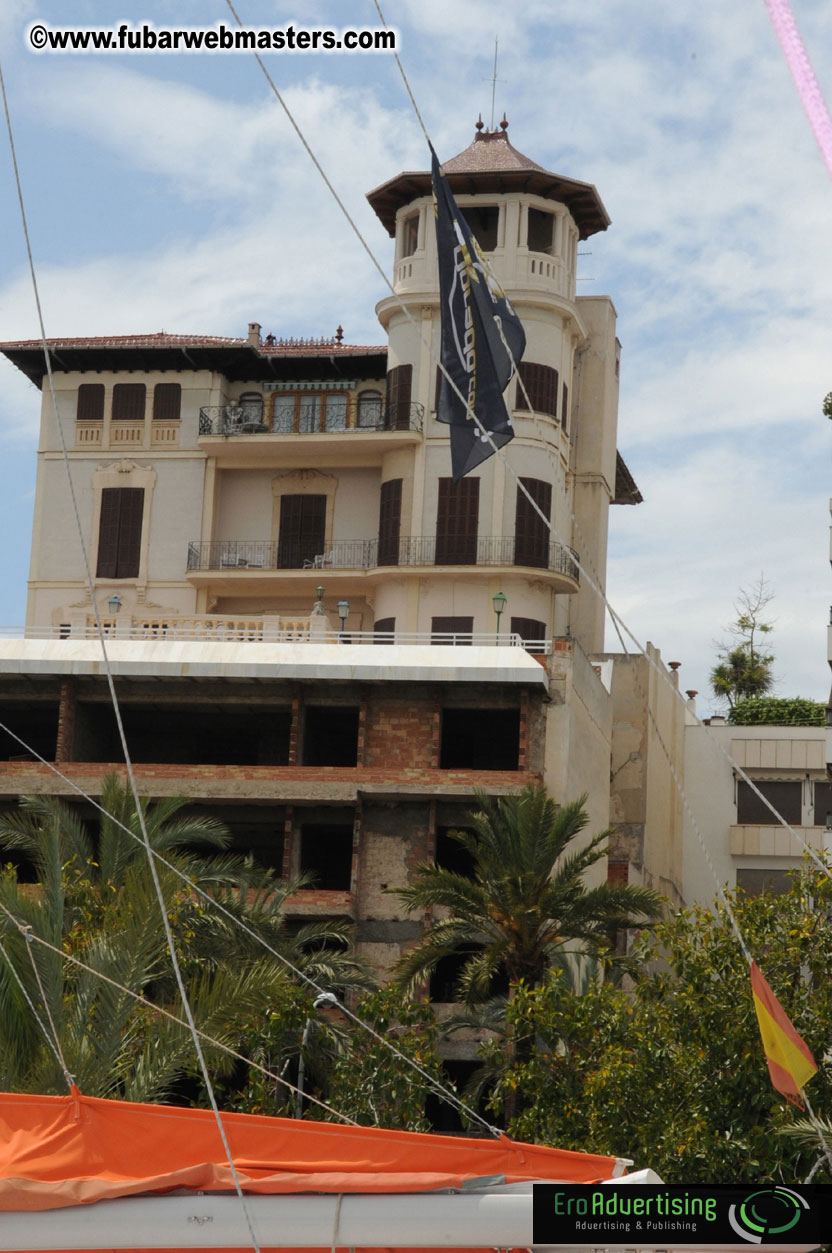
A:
{"points": [[765, 752]]}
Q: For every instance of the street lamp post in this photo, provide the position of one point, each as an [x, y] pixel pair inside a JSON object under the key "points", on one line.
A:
{"points": [[326, 1000], [499, 602], [343, 614]]}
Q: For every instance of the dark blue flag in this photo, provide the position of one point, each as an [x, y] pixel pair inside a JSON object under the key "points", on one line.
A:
{"points": [[476, 318]]}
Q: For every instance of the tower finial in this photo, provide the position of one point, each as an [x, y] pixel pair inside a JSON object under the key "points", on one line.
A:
{"points": [[479, 124], [504, 124]]}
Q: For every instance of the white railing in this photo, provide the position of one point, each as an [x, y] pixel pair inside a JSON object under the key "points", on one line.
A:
{"points": [[219, 628]]}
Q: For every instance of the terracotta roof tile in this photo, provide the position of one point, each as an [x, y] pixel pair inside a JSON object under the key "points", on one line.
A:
{"points": [[490, 151], [161, 339]]}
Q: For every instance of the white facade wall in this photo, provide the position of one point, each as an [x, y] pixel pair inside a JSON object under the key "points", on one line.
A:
{"points": [[765, 752]]}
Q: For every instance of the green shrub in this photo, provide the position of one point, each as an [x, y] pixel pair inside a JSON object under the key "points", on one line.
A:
{"points": [[788, 711]]}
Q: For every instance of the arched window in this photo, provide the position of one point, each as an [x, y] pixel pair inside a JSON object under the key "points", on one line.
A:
{"points": [[370, 411]]}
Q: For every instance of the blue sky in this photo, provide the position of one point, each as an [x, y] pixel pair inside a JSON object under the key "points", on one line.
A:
{"points": [[169, 192]]}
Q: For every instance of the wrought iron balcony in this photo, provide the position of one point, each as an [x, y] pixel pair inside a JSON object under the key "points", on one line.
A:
{"points": [[369, 554], [250, 419]]}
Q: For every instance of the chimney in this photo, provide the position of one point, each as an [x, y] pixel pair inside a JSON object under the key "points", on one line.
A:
{"points": [[254, 329]]}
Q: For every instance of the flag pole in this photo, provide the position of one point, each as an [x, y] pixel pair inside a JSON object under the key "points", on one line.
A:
{"points": [[813, 1119]]}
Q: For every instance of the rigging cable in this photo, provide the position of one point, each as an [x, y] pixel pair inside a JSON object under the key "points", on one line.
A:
{"points": [[445, 1093], [32, 937], [111, 684], [51, 1039]]}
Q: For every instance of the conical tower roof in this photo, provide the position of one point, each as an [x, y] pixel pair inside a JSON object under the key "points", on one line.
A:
{"points": [[492, 164], [490, 152]]}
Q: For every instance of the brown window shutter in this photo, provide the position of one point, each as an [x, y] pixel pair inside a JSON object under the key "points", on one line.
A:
{"points": [[128, 402], [528, 628], [399, 389], [564, 408], [120, 532], [167, 402], [541, 383], [389, 522], [302, 530], [384, 627], [531, 535], [451, 626], [108, 533], [90, 402], [130, 532], [457, 515]]}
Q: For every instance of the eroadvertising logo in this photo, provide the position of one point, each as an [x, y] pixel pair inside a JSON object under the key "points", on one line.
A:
{"points": [[659, 1214]]}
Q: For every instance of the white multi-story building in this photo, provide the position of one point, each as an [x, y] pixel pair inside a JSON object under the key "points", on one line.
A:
{"points": [[265, 491]]}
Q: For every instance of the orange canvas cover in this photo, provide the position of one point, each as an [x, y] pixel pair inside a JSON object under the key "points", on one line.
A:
{"points": [[70, 1150]]}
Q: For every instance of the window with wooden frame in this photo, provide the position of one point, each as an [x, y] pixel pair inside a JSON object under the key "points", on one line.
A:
{"points": [[541, 384], [399, 391], [389, 522], [457, 515], [304, 413], [302, 530], [167, 402], [90, 403], [531, 535], [371, 410], [128, 402], [120, 532]]}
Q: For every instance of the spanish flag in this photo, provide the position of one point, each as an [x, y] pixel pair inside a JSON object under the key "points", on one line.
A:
{"points": [[790, 1063]]}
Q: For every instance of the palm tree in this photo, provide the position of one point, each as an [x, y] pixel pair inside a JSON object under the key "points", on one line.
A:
{"points": [[94, 900], [525, 899]]}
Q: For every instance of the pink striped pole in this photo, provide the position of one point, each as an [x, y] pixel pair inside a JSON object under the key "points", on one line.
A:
{"points": [[804, 76]]}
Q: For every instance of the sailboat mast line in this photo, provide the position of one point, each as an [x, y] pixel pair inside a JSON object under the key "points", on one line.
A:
{"points": [[31, 937], [209, 1087], [445, 1093]]}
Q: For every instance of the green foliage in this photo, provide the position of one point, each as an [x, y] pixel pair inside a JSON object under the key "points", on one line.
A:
{"points": [[784, 711], [94, 901], [526, 898], [743, 670], [672, 1073], [827, 405], [367, 1082]]}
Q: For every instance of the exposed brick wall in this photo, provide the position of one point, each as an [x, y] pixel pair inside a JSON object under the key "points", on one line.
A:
{"points": [[360, 748], [401, 732], [395, 837], [523, 740], [357, 776], [288, 842], [67, 706], [618, 872], [294, 729]]}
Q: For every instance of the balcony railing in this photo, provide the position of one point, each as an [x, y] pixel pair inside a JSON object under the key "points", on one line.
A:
{"points": [[236, 629], [368, 554], [230, 420]]}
